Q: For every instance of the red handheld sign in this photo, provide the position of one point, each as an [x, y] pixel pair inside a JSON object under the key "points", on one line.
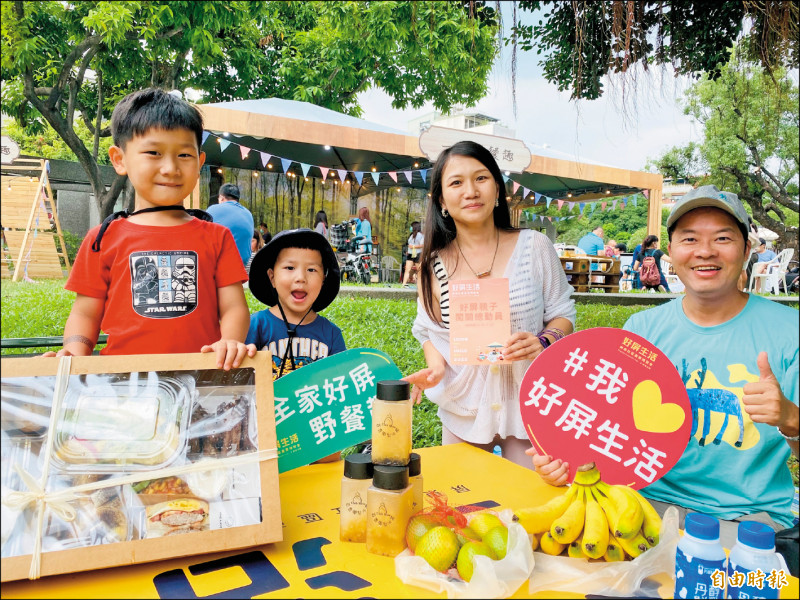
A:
{"points": [[611, 397]]}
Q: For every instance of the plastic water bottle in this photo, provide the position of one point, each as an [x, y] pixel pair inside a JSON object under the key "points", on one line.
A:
{"points": [[754, 551], [698, 558]]}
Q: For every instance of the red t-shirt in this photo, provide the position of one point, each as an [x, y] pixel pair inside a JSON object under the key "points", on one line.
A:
{"points": [[159, 284]]}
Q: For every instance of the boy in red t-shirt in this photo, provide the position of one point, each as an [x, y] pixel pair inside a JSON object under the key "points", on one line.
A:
{"points": [[158, 280]]}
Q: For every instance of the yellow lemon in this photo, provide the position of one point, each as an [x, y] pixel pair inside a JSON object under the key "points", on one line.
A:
{"points": [[497, 539], [439, 547], [465, 563], [483, 522]]}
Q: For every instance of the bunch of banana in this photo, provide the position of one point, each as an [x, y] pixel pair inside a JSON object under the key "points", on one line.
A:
{"points": [[594, 520]]}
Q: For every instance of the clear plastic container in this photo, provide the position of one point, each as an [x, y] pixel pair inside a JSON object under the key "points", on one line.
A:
{"points": [[415, 481], [698, 557], [388, 510], [391, 423], [353, 509], [112, 425], [754, 551]]}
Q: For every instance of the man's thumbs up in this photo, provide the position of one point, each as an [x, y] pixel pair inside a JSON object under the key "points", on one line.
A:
{"points": [[763, 399]]}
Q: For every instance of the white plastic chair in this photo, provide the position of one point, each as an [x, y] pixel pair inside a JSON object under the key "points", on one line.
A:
{"points": [[675, 284], [390, 268], [775, 272]]}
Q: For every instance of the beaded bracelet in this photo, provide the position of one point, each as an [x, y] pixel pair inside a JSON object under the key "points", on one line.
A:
{"points": [[556, 333]]}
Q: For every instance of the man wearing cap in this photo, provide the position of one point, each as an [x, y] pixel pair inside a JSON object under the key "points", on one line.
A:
{"points": [[743, 347], [764, 258], [234, 216]]}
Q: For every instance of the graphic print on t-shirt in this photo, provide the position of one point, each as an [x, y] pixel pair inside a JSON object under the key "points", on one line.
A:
{"points": [[164, 283]]}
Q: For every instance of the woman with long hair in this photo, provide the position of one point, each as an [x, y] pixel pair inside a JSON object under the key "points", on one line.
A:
{"points": [[468, 235], [650, 248], [364, 227], [321, 223], [415, 243]]}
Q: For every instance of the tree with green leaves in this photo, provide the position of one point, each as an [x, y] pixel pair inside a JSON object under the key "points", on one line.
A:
{"points": [[751, 142], [583, 41], [65, 63]]}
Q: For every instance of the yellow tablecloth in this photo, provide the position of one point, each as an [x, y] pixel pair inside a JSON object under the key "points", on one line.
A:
{"points": [[311, 562]]}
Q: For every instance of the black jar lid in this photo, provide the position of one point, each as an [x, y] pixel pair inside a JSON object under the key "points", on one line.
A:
{"points": [[358, 466], [414, 465], [390, 478], [393, 389]]}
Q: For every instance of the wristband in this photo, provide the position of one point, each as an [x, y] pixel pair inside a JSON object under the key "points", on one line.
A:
{"points": [[543, 341], [794, 438]]}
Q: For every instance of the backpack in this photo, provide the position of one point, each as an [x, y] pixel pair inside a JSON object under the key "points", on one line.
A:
{"points": [[648, 272]]}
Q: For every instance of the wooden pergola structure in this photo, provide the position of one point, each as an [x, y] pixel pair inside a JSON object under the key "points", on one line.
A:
{"points": [[320, 137]]}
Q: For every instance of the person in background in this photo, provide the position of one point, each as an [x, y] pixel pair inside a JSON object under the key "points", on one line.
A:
{"points": [[650, 248], [255, 245], [710, 333], [764, 258], [592, 244], [234, 216], [637, 283], [163, 279], [468, 235], [265, 234], [415, 244], [321, 223], [611, 249], [364, 227]]}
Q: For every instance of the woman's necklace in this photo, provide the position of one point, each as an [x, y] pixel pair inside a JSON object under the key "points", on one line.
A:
{"points": [[485, 273]]}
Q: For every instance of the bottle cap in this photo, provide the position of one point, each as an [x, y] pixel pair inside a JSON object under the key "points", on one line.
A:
{"points": [[392, 389], [414, 465], [358, 466], [756, 535], [390, 478], [702, 526]]}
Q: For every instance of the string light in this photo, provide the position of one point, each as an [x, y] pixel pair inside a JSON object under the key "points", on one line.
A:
{"points": [[219, 170], [306, 178], [327, 147], [416, 165], [608, 192], [226, 134], [569, 194], [255, 174], [374, 168], [269, 165]]}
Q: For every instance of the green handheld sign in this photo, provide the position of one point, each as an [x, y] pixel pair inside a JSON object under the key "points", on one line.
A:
{"points": [[326, 406]]}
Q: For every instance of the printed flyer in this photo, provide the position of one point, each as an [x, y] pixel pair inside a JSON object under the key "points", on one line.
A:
{"points": [[480, 321]]}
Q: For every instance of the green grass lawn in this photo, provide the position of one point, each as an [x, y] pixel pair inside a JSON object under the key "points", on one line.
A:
{"points": [[41, 309]]}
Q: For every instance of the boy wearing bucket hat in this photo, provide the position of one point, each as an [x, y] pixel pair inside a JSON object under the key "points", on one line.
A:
{"points": [[296, 275]]}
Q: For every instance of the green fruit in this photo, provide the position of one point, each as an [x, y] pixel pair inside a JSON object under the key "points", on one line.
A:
{"points": [[483, 522], [465, 564], [417, 527], [439, 547], [467, 535], [497, 540]]}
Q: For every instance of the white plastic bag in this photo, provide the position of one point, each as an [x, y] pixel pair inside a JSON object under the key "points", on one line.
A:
{"points": [[578, 575], [491, 578]]}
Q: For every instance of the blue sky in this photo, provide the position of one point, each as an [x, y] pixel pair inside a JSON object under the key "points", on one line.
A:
{"points": [[619, 130]]}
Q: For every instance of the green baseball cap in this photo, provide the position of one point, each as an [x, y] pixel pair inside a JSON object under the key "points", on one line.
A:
{"points": [[711, 196]]}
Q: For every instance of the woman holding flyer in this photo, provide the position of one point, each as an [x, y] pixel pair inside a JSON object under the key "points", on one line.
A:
{"points": [[469, 238]]}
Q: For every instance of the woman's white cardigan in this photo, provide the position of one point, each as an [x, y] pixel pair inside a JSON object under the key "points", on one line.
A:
{"points": [[477, 402]]}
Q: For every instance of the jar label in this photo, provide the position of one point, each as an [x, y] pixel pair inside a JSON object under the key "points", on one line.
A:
{"points": [[381, 516], [694, 576], [387, 428], [356, 506], [745, 583]]}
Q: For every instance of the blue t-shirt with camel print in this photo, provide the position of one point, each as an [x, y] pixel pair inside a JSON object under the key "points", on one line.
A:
{"points": [[727, 470]]}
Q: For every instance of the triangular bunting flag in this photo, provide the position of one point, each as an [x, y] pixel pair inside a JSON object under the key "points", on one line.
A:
{"points": [[393, 175], [614, 205], [634, 200], [424, 174], [375, 177], [593, 206], [265, 158], [223, 144], [505, 179], [305, 168], [549, 200], [409, 175], [324, 171], [286, 163], [205, 137], [342, 174], [581, 206], [244, 150], [536, 197], [525, 192], [560, 204], [603, 205], [571, 206], [359, 176], [622, 206], [646, 194], [515, 187]]}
